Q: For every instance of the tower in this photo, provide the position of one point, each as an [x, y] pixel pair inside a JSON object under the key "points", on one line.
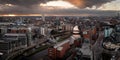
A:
{"points": [[43, 17]]}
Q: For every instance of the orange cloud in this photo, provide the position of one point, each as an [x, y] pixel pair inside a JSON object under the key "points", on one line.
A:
{"points": [[78, 3]]}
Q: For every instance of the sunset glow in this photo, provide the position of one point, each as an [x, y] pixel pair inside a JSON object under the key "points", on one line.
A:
{"points": [[78, 3], [10, 15]]}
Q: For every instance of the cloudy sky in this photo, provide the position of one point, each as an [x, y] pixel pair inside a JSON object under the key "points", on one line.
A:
{"points": [[60, 7]]}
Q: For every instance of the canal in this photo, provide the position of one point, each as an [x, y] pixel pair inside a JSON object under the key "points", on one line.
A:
{"points": [[38, 56]]}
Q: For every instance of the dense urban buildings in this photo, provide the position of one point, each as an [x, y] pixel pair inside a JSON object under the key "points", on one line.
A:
{"points": [[59, 37]]}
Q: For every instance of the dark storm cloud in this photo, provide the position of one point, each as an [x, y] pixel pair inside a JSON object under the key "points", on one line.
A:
{"points": [[32, 7], [78, 3], [68, 12], [88, 3], [22, 2]]}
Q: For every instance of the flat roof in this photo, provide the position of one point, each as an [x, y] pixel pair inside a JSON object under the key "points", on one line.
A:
{"points": [[15, 34]]}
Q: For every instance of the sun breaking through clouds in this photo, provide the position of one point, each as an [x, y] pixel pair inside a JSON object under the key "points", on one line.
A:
{"points": [[61, 4]]}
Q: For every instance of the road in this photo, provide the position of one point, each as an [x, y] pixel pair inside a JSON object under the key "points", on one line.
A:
{"points": [[97, 47]]}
